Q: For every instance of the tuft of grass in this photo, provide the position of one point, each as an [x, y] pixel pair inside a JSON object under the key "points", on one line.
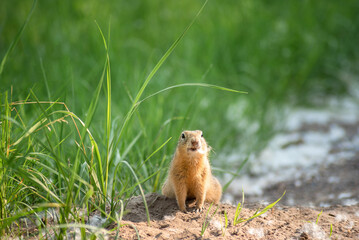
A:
{"points": [[238, 210], [207, 219], [225, 223], [317, 221], [258, 212]]}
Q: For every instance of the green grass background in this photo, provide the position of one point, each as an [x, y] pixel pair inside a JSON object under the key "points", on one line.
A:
{"points": [[283, 53], [279, 51]]}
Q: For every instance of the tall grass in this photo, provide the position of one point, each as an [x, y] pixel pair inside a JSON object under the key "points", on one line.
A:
{"points": [[54, 160]]}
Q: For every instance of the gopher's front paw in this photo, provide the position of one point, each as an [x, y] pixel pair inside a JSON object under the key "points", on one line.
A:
{"points": [[198, 209], [184, 210]]}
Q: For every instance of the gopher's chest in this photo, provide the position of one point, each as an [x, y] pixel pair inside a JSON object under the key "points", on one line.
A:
{"points": [[193, 173], [193, 179], [196, 182]]}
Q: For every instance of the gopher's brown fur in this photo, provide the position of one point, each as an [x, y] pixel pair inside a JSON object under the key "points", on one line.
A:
{"points": [[190, 173]]}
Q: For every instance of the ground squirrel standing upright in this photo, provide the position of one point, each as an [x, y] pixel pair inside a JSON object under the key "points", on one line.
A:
{"points": [[190, 173]]}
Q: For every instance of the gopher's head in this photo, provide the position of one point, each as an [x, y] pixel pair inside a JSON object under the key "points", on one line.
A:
{"points": [[193, 142]]}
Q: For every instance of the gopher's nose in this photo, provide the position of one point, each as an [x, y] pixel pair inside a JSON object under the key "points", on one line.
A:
{"points": [[194, 143]]}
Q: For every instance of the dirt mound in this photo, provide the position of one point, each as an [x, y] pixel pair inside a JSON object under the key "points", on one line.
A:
{"points": [[281, 222]]}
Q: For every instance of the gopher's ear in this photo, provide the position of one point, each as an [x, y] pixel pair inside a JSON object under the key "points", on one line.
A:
{"points": [[199, 132]]}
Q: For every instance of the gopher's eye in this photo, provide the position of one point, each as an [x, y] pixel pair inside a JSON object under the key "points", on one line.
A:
{"points": [[201, 134], [183, 136]]}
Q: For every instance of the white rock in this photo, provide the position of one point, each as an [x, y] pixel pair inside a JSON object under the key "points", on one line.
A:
{"points": [[314, 231], [257, 232], [216, 224]]}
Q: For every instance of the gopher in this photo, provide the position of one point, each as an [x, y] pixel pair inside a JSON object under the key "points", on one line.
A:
{"points": [[190, 173]]}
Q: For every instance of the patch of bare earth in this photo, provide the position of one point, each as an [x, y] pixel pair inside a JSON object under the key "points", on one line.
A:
{"points": [[281, 222], [333, 189]]}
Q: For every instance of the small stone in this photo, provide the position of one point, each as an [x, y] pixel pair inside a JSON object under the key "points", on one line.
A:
{"points": [[303, 236]]}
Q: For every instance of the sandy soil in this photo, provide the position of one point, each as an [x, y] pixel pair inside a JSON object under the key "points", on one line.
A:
{"points": [[281, 222]]}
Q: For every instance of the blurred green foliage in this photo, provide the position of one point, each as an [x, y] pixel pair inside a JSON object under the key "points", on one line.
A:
{"points": [[278, 51]]}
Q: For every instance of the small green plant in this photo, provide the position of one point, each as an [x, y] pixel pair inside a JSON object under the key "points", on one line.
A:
{"points": [[317, 220], [208, 219], [259, 212], [238, 210], [225, 223]]}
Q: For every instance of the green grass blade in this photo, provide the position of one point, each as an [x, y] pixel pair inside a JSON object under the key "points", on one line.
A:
{"points": [[238, 210], [131, 145], [152, 73], [108, 113], [225, 223], [30, 131], [17, 38], [97, 153], [45, 79], [141, 190], [129, 189], [264, 210], [156, 185], [270, 205], [154, 152], [234, 175], [206, 222], [316, 222], [206, 85], [41, 207], [89, 118]]}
